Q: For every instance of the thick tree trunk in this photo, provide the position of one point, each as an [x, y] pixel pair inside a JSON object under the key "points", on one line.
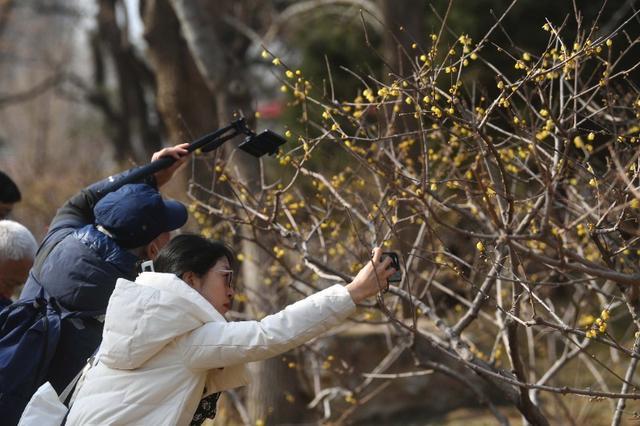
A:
{"points": [[183, 98], [274, 394], [133, 135]]}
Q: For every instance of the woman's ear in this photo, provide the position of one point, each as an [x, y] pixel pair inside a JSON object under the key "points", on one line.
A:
{"points": [[192, 279]]}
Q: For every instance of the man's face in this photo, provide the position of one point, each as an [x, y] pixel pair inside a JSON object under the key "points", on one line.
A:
{"points": [[5, 210], [13, 273], [156, 245]]}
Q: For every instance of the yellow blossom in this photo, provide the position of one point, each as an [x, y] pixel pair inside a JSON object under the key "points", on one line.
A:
{"points": [[586, 320], [279, 252], [542, 135]]}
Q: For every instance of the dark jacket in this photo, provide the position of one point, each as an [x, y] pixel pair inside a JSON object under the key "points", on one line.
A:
{"points": [[78, 266]]}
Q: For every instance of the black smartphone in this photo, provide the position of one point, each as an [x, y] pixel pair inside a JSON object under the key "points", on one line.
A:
{"points": [[395, 264]]}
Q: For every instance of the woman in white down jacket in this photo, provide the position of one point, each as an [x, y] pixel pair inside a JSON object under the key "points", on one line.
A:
{"points": [[167, 350]]}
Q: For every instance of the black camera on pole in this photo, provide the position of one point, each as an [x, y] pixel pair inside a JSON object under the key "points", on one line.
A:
{"points": [[256, 144]]}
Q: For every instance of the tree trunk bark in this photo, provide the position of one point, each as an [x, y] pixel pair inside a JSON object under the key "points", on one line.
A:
{"points": [[183, 99], [134, 136]]}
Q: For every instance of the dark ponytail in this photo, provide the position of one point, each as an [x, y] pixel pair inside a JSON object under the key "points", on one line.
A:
{"points": [[192, 253]]}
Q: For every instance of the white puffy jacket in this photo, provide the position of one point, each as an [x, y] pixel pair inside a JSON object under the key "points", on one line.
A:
{"points": [[163, 344]]}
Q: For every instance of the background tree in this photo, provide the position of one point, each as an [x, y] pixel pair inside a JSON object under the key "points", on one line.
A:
{"points": [[501, 197], [492, 145]]}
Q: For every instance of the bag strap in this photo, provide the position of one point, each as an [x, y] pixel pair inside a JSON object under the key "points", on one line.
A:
{"points": [[91, 362], [67, 391]]}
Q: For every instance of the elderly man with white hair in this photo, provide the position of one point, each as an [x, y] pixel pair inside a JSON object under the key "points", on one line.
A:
{"points": [[17, 250]]}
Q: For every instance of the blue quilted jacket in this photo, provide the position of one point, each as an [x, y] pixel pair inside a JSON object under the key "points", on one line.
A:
{"points": [[78, 266]]}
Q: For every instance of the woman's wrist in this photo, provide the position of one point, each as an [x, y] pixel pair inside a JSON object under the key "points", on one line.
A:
{"points": [[356, 292]]}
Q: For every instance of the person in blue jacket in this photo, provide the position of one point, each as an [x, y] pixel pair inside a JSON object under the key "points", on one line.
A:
{"points": [[99, 235]]}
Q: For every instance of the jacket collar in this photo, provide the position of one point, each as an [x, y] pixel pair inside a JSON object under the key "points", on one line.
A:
{"points": [[174, 285], [106, 248]]}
